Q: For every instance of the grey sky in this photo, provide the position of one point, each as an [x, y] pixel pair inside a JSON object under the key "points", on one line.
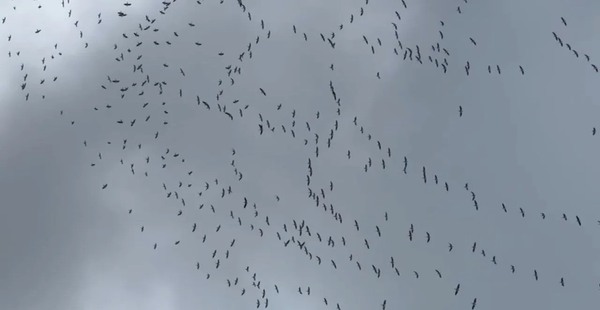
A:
{"points": [[524, 140]]}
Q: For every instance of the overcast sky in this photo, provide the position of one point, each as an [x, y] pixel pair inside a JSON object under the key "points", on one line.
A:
{"points": [[519, 139]]}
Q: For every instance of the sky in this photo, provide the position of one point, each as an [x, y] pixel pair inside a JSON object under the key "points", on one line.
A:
{"points": [[516, 149]]}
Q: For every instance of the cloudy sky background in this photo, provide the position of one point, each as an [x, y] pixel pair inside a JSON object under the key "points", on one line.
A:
{"points": [[523, 140]]}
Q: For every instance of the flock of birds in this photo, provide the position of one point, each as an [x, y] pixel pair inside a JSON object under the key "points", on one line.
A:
{"points": [[315, 131]]}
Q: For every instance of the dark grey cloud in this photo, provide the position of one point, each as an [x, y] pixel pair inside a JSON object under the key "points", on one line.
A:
{"points": [[523, 140]]}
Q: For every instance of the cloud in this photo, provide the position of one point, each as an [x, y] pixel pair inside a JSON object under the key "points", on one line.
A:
{"points": [[523, 140]]}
